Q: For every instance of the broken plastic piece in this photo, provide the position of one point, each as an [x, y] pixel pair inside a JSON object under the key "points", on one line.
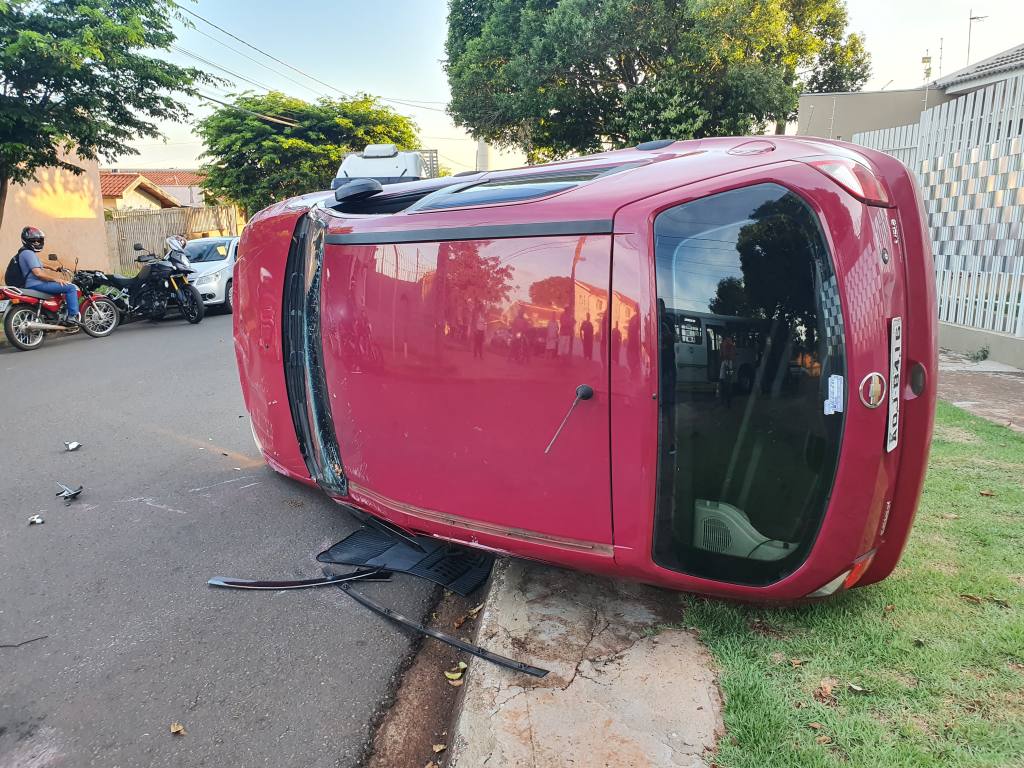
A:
{"points": [[36, 520], [476, 650], [324, 581], [72, 445], [67, 493], [454, 567]]}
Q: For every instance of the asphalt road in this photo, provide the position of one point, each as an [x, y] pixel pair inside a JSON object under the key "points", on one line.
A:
{"points": [[117, 580]]}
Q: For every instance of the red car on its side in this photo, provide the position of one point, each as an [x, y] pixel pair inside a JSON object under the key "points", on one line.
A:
{"points": [[708, 365]]}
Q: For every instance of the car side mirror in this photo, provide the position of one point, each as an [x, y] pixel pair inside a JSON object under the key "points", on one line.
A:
{"points": [[138, 247], [52, 257], [357, 189]]}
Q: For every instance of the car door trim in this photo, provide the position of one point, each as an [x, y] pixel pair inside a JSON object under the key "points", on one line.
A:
{"points": [[475, 232]]}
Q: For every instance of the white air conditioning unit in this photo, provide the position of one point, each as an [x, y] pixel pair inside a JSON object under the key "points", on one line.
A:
{"points": [[722, 528]]}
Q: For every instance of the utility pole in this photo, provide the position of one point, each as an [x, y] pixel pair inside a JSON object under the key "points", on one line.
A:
{"points": [[971, 18]]}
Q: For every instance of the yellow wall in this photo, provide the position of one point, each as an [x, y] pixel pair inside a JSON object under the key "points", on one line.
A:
{"points": [[133, 199], [67, 208]]}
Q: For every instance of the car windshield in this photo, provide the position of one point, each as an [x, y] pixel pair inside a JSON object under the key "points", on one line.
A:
{"points": [[199, 251]]}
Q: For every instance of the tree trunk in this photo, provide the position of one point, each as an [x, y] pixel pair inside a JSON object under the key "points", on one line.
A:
{"points": [[3, 196], [780, 127]]}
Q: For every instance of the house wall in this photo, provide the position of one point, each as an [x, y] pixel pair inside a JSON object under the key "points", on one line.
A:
{"points": [[861, 111], [133, 199], [191, 196], [67, 208]]}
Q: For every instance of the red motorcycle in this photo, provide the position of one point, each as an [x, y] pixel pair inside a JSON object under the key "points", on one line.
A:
{"points": [[29, 315]]}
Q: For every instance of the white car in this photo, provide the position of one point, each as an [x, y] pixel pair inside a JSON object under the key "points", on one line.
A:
{"points": [[213, 263]]}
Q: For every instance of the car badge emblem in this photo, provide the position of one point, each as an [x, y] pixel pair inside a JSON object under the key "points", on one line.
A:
{"points": [[872, 389]]}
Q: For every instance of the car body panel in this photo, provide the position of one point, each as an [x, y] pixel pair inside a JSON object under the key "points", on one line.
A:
{"points": [[441, 437]]}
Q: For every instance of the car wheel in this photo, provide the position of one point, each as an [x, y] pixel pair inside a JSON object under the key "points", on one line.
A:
{"points": [[229, 299]]}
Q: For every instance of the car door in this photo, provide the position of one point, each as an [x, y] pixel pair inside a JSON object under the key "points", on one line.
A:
{"points": [[453, 365]]}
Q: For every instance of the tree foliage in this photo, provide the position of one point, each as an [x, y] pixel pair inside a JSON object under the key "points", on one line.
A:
{"points": [[554, 77], [75, 79], [270, 147]]}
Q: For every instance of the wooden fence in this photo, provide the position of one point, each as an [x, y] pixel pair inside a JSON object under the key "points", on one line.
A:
{"points": [[152, 228], [968, 156]]}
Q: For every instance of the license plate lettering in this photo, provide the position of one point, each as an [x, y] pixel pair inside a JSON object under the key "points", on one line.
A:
{"points": [[892, 430]]}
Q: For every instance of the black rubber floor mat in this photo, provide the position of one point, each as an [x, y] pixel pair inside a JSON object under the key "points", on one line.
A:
{"points": [[459, 569]]}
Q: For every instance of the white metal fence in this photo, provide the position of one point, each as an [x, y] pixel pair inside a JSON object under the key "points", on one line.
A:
{"points": [[968, 156]]}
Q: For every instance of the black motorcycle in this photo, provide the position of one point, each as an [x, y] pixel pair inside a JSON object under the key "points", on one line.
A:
{"points": [[162, 283]]}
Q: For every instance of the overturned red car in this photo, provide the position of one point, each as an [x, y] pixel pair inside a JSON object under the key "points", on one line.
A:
{"points": [[708, 365]]}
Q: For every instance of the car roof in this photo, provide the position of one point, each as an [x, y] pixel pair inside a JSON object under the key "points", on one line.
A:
{"points": [[643, 171]]}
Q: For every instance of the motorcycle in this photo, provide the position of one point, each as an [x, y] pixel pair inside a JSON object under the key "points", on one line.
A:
{"points": [[160, 284], [29, 315]]}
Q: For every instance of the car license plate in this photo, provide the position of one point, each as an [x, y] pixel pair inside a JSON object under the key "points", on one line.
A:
{"points": [[4, 305], [892, 430]]}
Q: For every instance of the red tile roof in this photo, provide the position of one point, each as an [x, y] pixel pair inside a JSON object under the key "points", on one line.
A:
{"points": [[175, 178], [114, 184]]}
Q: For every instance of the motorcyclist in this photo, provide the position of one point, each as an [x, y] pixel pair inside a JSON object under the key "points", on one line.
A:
{"points": [[45, 279]]}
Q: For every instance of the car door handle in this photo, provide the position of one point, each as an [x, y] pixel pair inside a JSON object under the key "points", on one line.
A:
{"points": [[583, 392]]}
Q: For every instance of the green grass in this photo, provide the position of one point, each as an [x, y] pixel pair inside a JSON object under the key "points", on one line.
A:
{"points": [[944, 675]]}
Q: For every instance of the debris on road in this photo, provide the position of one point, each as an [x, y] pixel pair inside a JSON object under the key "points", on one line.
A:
{"points": [[324, 581], [72, 445], [36, 520], [68, 494], [456, 672], [23, 642], [178, 729], [380, 550]]}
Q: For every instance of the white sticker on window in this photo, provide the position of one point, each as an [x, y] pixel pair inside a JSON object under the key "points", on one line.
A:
{"points": [[834, 403]]}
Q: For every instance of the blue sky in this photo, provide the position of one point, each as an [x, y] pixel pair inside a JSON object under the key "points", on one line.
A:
{"points": [[394, 48]]}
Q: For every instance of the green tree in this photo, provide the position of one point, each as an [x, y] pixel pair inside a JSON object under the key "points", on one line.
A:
{"points": [[554, 77], [269, 147], [74, 80]]}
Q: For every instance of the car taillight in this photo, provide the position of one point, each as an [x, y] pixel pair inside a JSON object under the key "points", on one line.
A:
{"points": [[860, 567], [856, 178], [848, 578]]}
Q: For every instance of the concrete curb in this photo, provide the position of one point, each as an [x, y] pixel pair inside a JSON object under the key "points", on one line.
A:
{"points": [[620, 693]]}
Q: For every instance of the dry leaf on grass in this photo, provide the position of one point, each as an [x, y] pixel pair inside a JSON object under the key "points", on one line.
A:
{"points": [[178, 729], [858, 689], [986, 493], [823, 692], [951, 516], [823, 739], [888, 609], [814, 726], [972, 599], [796, 662]]}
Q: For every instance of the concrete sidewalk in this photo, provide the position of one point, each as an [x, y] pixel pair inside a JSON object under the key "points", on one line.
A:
{"points": [[621, 691], [992, 390]]}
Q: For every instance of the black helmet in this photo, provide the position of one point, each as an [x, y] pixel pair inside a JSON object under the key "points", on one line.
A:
{"points": [[32, 237]]}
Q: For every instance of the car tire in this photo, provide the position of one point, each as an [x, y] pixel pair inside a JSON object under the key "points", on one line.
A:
{"points": [[228, 306]]}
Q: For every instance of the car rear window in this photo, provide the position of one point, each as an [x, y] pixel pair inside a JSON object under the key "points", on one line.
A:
{"points": [[207, 250], [752, 381]]}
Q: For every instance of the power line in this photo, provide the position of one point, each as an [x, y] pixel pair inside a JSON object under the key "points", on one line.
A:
{"points": [[253, 47], [259, 63], [209, 63], [296, 69]]}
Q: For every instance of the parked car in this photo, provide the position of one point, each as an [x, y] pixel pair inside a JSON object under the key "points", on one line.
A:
{"points": [[213, 262], [797, 269]]}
